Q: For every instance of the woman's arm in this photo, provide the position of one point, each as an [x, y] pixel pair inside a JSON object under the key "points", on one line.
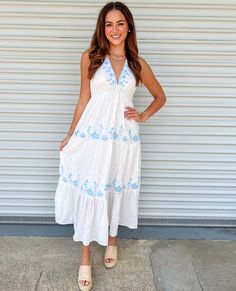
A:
{"points": [[85, 93], [154, 87]]}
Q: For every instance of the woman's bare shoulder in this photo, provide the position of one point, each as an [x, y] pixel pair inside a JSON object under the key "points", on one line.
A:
{"points": [[146, 70], [143, 62], [85, 55]]}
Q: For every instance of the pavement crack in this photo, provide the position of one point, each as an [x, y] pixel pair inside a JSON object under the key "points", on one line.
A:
{"points": [[37, 283], [199, 282], [93, 273], [152, 267]]}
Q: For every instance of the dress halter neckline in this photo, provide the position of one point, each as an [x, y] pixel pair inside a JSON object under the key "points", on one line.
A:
{"points": [[117, 81]]}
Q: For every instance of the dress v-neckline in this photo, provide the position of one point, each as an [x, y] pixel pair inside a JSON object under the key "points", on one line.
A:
{"points": [[117, 81]]}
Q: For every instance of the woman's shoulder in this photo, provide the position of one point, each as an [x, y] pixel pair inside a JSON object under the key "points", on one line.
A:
{"points": [[85, 54], [85, 57], [142, 61]]}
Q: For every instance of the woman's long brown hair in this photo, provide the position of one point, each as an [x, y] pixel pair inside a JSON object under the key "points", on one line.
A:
{"points": [[99, 45]]}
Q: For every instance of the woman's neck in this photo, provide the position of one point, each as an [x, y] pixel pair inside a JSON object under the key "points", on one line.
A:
{"points": [[118, 53]]}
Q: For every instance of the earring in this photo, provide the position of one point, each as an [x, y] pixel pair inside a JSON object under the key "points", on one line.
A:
{"points": [[129, 31]]}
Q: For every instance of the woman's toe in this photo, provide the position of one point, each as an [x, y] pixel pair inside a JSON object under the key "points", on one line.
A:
{"points": [[84, 282]]}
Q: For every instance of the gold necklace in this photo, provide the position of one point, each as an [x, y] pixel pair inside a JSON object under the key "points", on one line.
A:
{"points": [[120, 60]]}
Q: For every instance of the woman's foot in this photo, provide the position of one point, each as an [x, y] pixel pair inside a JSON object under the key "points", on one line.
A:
{"points": [[85, 277], [86, 261], [110, 256]]}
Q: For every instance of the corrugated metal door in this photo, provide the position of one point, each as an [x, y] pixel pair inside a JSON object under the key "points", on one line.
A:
{"points": [[188, 147]]}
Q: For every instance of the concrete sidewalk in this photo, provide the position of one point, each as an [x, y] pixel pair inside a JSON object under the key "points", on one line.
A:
{"points": [[52, 263]]}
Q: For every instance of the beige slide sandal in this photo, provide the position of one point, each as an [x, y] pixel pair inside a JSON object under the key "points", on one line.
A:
{"points": [[86, 276], [110, 257]]}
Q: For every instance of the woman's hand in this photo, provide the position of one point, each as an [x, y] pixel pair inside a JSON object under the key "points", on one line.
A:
{"points": [[64, 142], [132, 113]]}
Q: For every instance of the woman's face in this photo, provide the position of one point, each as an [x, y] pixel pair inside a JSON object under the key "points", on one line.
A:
{"points": [[116, 27]]}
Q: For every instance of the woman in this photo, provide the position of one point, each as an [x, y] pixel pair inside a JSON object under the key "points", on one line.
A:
{"points": [[100, 158]]}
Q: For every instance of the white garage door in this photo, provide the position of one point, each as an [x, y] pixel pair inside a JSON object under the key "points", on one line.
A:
{"points": [[188, 147]]}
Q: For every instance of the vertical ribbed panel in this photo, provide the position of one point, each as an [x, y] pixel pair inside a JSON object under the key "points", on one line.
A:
{"points": [[188, 147]]}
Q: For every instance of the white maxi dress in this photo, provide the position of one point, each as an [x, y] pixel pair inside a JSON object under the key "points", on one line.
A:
{"points": [[99, 172]]}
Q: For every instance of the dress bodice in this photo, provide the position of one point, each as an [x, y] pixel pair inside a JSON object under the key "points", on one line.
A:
{"points": [[104, 79], [103, 118]]}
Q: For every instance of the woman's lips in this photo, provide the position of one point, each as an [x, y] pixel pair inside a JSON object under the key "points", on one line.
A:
{"points": [[115, 36]]}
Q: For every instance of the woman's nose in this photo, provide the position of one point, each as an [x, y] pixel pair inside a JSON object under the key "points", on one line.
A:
{"points": [[114, 29]]}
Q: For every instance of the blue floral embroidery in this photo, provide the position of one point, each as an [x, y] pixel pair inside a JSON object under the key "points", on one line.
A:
{"points": [[118, 134], [110, 74], [92, 188], [124, 76]]}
